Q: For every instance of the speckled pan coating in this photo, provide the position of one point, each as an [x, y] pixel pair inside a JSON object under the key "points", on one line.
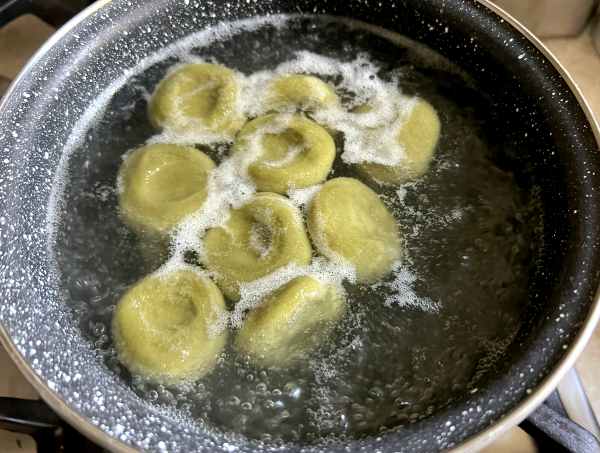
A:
{"points": [[37, 118]]}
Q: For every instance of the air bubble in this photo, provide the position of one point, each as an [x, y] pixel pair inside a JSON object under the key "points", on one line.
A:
{"points": [[293, 390]]}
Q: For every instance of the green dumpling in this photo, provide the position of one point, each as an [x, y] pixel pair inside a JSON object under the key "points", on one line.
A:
{"points": [[163, 327], [200, 97], [263, 235], [299, 91], [347, 220], [419, 136], [290, 322], [160, 185], [292, 152]]}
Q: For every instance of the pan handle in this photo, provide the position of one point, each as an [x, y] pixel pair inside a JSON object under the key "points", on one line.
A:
{"points": [[552, 429], [26, 415], [11, 9], [576, 403], [36, 419]]}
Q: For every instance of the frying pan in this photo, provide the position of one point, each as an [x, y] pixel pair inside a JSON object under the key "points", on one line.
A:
{"points": [[536, 108]]}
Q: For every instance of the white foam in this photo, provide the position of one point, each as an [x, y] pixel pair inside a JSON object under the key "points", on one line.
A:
{"points": [[403, 293], [120, 185], [190, 136], [253, 93], [401, 193], [441, 217], [368, 137], [253, 293], [302, 197], [172, 266], [228, 187]]}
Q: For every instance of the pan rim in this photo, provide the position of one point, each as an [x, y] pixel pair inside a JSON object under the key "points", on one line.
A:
{"points": [[52, 398], [549, 383], [473, 443]]}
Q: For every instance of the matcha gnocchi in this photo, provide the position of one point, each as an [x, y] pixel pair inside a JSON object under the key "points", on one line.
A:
{"points": [[348, 221], [159, 185], [198, 97], [418, 136], [290, 322], [162, 326], [287, 151], [260, 237]]}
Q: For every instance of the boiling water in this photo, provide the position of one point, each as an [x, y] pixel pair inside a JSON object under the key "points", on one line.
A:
{"points": [[408, 345]]}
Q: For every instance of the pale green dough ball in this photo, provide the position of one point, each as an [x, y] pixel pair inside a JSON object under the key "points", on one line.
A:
{"points": [[299, 91], [260, 237], [160, 185], [290, 322], [291, 152], [419, 136], [198, 97], [165, 327], [347, 220]]}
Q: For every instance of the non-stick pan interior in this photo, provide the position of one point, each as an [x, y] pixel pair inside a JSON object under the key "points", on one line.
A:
{"points": [[506, 97]]}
